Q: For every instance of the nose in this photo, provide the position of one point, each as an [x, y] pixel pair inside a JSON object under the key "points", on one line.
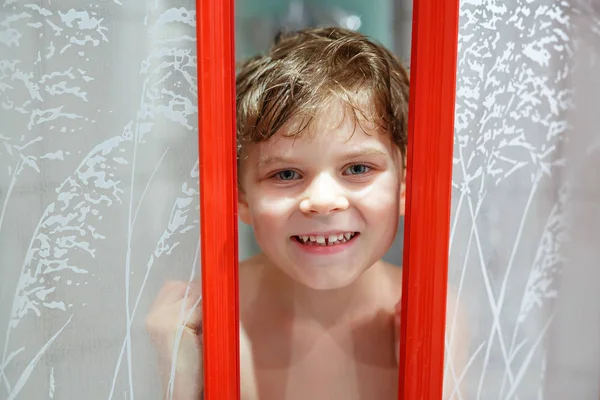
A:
{"points": [[324, 196]]}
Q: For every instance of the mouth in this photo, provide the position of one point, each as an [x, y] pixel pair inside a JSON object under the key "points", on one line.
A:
{"points": [[326, 240]]}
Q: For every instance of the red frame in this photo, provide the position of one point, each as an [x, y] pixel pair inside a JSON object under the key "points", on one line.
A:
{"points": [[427, 224], [428, 201], [218, 201]]}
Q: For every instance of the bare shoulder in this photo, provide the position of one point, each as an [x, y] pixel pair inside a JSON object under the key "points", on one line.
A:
{"points": [[251, 264], [393, 275], [388, 287], [456, 319], [457, 330], [454, 310], [456, 325], [249, 278], [394, 271], [457, 335]]}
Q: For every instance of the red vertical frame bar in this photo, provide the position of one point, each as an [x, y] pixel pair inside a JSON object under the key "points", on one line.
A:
{"points": [[218, 198], [429, 176]]}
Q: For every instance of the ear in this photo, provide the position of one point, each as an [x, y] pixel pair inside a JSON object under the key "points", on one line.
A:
{"points": [[243, 208], [403, 193], [403, 187]]}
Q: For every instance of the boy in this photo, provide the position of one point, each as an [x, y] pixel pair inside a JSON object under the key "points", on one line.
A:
{"points": [[321, 125]]}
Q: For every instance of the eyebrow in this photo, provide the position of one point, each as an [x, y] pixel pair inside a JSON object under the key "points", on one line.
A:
{"points": [[365, 153], [267, 160]]}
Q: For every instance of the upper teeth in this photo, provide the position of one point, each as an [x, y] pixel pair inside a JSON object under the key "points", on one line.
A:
{"points": [[329, 239]]}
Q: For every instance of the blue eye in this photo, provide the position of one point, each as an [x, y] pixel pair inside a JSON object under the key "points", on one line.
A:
{"points": [[287, 175], [357, 169]]}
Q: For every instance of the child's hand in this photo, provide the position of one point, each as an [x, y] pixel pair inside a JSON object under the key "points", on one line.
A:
{"points": [[175, 322], [397, 312]]}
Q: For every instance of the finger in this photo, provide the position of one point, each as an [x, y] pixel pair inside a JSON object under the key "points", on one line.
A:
{"points": [[193, 318], [194, 289], [193, 306], [171, 292], [192, 296]]}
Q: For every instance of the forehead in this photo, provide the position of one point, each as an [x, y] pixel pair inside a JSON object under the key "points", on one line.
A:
{"points": [[336, 129]]}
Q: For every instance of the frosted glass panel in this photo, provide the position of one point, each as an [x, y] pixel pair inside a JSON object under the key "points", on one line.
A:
{"points": [[98, 190], [525, 225]]}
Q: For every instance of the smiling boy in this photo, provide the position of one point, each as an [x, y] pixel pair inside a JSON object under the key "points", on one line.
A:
{"points": [[322, 128]]}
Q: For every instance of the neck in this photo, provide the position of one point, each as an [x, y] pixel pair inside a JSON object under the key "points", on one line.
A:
{"points": [[325, 307]]}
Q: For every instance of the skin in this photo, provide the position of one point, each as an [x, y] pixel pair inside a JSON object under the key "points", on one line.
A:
{"points": [[313, 325]]}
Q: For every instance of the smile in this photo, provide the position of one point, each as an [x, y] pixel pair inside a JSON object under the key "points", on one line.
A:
{"points": [[325, 240]]}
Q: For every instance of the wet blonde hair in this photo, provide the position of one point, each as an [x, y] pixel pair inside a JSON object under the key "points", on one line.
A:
{"points": [[305, 70]]}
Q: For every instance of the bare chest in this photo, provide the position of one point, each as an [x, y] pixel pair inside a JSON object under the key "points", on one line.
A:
{"points": [[326, 364]]}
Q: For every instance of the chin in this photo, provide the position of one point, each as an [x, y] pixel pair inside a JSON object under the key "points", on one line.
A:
{"points": [[323, 280]]}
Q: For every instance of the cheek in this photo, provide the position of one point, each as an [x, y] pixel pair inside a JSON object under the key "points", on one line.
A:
{"points": [[270, 212], [382, 197], [381, 210]]}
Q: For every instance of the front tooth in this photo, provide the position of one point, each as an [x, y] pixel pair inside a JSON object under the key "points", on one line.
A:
{"points": [[320, 239], [347, 236], [313, 238], [340, 236], [332, 238]]}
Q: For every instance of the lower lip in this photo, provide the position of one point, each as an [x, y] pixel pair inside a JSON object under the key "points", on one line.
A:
{"points": [[317, 249]]}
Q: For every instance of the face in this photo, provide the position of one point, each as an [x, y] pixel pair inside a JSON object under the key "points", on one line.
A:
{"points": [[325, 205]]}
